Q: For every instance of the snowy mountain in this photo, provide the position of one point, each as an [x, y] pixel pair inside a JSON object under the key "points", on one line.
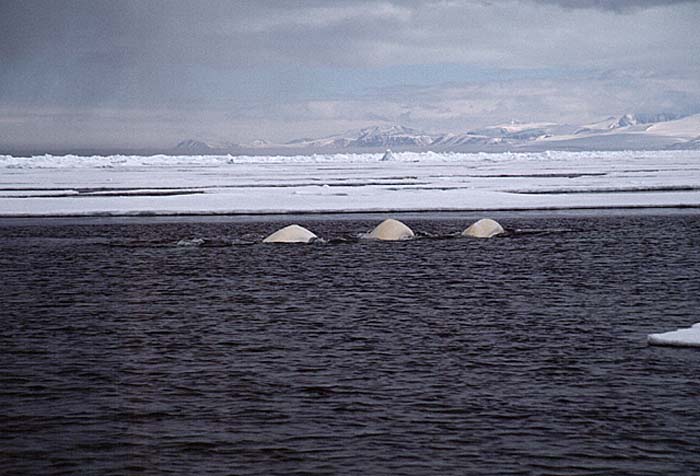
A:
{"points": [[376, 137], [193, 146], [333, 142], [523, 131], [629, 131], [625, 121], [510, 135], [467, 139], [391, 136], [684, 128], [258, 143]]}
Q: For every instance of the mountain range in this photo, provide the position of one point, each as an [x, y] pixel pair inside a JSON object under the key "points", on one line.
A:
{"points": [[626, 132]]}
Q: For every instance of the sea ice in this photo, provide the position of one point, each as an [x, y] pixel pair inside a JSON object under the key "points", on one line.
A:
{"points": [[49, 185], [689, 337]]}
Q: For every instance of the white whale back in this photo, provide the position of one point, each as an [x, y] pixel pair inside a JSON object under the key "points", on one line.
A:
{"points": [[291, 234], [391, 230], [484, 228]]}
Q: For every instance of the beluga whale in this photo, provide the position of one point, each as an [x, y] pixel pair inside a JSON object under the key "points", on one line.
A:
{"points": [[391, 230], [484, 228], [291, 234]]}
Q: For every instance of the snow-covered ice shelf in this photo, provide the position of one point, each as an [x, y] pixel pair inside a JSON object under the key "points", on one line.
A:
{"points": [[72, 185], [689, 337]]}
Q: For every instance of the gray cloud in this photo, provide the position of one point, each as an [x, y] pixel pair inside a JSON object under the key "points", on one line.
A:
{"points": [[236, 66], [614, 5]]}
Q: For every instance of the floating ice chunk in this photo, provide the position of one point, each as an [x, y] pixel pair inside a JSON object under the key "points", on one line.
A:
{"points": [[291, 234], [391, 230], [484, 228], [689, 337], [192, 242], [388, 155]]}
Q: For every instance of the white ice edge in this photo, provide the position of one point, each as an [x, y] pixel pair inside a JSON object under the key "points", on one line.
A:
{"points": [[688, 337], [111, 161]]}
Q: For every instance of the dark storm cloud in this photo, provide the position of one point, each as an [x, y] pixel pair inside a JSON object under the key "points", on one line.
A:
{"points": [[167, 36], [230, 33]]}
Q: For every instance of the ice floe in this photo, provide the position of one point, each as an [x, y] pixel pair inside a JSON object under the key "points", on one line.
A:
{"points": [[388, 155], [688, 337]]}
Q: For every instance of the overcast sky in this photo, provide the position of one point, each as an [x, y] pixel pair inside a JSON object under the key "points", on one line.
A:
{"points": [[150, 73]]}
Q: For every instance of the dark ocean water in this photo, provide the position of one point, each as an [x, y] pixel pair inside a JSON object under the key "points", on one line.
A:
{"points": [[122, 353]]}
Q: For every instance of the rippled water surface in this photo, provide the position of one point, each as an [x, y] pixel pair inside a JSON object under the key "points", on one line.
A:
{"points": [[123, 353]]}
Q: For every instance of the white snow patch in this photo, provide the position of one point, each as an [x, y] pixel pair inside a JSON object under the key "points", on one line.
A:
{"points": [[686, 128]]}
